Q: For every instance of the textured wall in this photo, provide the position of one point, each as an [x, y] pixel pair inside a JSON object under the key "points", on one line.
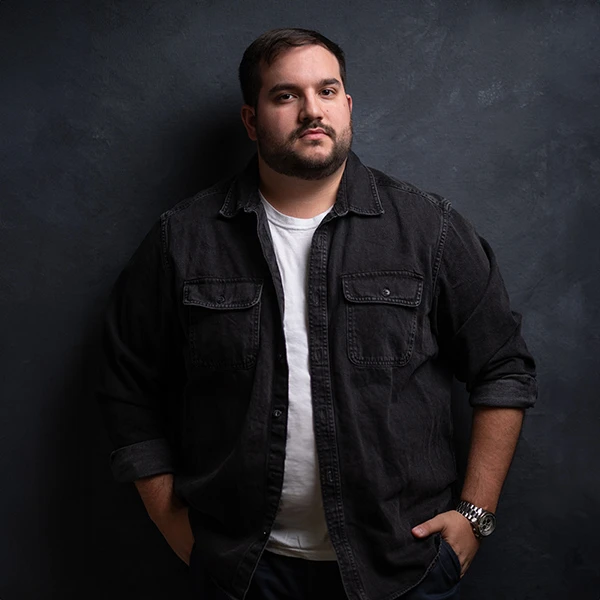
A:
{"points": [[113, 111]]}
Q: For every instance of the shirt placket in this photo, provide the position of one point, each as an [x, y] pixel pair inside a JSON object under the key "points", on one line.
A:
{"points": [[278, 414], [323, 408]]}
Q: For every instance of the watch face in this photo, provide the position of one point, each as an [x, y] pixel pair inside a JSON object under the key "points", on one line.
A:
{"points": [[487, 524]]}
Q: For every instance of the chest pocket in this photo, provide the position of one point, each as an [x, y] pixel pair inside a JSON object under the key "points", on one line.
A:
{"points": [[223, 321], [381, 316]]}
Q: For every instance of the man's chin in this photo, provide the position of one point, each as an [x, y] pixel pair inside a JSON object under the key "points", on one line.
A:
{"points": [[313, 170], [315, 154], [313, 150]]}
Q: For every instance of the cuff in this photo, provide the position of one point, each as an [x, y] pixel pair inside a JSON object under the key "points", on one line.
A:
{"points": [[142, 459], [509, 392]]}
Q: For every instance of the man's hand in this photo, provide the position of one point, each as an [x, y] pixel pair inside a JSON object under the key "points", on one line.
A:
{"points": [[175, 527], [457, 531], [168, 513]]}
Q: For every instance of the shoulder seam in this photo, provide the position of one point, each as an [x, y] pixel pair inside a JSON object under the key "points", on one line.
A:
{"points": [[389, 181], [164, 243], [218, 188], [441, 245]]}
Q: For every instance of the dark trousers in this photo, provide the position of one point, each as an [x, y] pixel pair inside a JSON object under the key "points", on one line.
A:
{"points": [[283, 578]]}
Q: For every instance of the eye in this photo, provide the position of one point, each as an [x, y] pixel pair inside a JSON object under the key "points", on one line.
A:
{"points": [[284, 97], [328, 92]]}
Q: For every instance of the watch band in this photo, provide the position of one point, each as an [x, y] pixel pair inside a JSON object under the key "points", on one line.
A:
{"points": [[482, 521]]}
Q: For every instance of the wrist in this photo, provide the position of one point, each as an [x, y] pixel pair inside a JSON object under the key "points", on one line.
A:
{"points": [[483, 522]]}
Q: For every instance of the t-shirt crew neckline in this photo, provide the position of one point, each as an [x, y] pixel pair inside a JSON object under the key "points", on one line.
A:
{"points": [[288, 222]]}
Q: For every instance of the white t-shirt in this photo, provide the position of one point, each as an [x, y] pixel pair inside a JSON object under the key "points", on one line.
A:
{"points": [[300, 529]]}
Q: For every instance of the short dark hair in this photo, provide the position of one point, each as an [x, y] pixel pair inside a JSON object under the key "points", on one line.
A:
{"points": [[267, 47]]}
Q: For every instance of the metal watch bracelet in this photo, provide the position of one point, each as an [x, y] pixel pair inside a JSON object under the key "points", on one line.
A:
{"points": [[482, 521]]}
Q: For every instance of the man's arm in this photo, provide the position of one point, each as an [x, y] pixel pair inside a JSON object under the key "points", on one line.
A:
{"points": [[494, 437], [167, 512], [141, 367], [480, 336]]}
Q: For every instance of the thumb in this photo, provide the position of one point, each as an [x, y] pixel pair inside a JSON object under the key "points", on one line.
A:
{"points": [[428, 527]]}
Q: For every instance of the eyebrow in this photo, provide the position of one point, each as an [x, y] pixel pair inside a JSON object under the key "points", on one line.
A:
{"points": [[280, 87]]}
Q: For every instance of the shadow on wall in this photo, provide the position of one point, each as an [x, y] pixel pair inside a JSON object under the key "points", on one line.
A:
{"points": [[216, 149]]}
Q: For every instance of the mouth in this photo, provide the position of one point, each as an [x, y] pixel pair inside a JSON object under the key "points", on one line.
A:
{"points": [[315, 133]]}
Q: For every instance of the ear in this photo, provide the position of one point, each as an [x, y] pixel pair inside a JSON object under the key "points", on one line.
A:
{"points": [[249, 120], [349, 98]]}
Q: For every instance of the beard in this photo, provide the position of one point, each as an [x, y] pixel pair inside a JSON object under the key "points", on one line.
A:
{"points": [[284, 159]]}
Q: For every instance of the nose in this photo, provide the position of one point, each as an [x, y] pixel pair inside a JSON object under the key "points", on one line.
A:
{"points": [[311, 108]]}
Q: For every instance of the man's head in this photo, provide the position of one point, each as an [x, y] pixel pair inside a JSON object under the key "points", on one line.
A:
{"points": [[297, 109], [265, 49]]}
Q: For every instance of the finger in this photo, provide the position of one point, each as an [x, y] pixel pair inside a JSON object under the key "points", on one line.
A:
{"points": [[428, 527]]}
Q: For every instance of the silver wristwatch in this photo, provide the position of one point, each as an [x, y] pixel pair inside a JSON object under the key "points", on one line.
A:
{"points": [[482, 521]]}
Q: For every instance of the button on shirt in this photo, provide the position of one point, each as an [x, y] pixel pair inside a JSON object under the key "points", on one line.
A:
{"points": [[402, 294]]}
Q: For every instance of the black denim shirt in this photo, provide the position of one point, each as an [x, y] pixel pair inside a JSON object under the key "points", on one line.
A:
{"points": [[402, 295]]}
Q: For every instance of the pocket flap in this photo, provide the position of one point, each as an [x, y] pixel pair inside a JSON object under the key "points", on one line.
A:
{"points": [[222, 294], [403, 288]]}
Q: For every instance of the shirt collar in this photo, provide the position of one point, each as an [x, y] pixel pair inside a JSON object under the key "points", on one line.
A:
{"points": [[357, 192]]}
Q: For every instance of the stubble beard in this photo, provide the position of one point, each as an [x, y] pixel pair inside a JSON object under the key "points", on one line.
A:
{"points": [[284, 159]]}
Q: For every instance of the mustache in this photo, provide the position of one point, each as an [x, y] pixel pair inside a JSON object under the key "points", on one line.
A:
{"points": [[313, 125]]}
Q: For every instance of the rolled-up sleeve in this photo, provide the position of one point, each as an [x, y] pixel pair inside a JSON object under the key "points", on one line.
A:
{"points": [[477, 330], [139, 363]]}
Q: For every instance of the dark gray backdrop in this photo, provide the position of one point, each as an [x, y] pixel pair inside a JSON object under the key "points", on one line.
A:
{"points": [[113, 111]]}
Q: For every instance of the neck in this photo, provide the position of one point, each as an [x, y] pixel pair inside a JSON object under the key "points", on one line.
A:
{"points": [[298, 197]]}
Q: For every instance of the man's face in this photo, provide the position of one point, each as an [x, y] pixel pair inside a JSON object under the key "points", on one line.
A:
{"points": [[302, 122]]}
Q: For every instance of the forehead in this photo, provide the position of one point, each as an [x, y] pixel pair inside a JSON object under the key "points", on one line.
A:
{"points": [[301, 65]]}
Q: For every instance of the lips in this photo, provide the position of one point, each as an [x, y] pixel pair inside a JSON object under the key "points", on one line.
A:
{"points": [[317, 132]]}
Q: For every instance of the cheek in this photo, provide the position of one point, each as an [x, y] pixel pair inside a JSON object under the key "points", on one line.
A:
{"points": [[341, 115], [341, 123], [275, 124]]}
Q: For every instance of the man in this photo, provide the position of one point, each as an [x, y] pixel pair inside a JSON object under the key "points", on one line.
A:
{"points": [[280, 351]]}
